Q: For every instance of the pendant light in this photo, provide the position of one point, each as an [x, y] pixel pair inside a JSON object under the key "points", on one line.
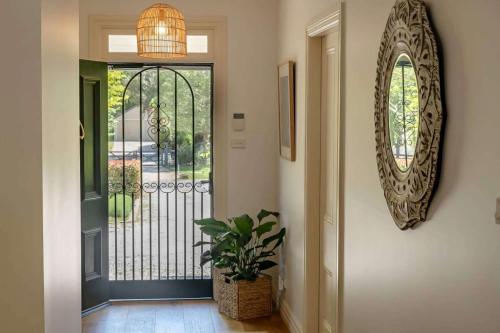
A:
{"points": [[161, 33]]}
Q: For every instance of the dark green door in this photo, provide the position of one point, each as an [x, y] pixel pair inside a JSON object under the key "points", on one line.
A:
{"points": [[94, 183]]}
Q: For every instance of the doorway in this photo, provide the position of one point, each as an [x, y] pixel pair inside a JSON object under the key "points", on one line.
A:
{"points": [[323, 227], [160, 134], [159, 144], [329, 185]]}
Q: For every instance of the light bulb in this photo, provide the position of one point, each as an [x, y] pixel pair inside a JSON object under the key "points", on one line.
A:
{"points": [[162, 30]]}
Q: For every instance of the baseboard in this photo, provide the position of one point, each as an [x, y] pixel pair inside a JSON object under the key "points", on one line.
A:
{"points": [[288, 318]]}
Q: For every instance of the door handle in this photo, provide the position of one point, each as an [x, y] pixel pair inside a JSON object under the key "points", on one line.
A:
{"points": [[82, 131]]}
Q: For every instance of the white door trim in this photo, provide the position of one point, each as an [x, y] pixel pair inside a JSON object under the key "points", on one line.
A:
{"points": [[330, 22]]}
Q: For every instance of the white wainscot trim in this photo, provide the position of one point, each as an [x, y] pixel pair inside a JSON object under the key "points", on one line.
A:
{"points": [[288, 318]]}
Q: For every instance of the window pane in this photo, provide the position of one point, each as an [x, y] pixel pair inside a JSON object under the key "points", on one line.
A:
{"points": [[122, 43], [128, 43], [197, 44]]}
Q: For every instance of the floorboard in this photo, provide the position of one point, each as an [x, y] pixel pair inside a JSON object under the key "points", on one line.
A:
{"points": [[173, 317]]}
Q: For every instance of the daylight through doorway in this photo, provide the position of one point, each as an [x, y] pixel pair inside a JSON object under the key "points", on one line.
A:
{"points": [[160, 158]]}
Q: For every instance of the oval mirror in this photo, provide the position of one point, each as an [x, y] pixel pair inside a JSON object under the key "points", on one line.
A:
{"points": [[408, 113], [403, 112]]}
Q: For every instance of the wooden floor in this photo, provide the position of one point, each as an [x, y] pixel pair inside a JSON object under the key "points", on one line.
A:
{"points": [[173, 317]]}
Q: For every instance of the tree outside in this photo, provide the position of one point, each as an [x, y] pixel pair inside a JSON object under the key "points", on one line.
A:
{"points": [[403, 112], [188, 140]]}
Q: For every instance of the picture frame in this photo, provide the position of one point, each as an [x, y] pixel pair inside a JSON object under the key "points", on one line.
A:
{"points": [[286, 109]]}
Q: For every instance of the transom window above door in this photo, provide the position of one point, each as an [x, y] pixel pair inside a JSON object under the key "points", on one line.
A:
{"points": [[113, 39], [128, 43]]}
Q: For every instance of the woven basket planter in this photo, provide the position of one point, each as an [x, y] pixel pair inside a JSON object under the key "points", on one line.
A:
{"points": [[243, 300], [218, 280]]}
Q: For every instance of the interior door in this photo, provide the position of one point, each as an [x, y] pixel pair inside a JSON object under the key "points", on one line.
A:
{"points": [[94, 183], [329, 208]]}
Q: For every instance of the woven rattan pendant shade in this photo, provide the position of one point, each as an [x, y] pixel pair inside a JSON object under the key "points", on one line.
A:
{"points": [[161, 33]]}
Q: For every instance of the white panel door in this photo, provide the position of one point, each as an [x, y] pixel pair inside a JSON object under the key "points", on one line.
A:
{"points": [[329, 184]]}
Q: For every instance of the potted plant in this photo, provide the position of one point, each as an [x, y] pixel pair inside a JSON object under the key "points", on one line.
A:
{"points": [[241, 249]]}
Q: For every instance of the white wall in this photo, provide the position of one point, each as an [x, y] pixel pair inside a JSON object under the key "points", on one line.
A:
{"points": [[40, 216], [294, 17], [445, 275], [251, 78], [61, 166], [21, 278]]}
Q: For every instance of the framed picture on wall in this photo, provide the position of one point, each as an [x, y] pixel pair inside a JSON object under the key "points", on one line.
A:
{"points": [[286, 91]]}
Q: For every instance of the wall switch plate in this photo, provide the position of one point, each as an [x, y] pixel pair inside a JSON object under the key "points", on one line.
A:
{"points": [[238, 122], [497, 213], [238, 143]]}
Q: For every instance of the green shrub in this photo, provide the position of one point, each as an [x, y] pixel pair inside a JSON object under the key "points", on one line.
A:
{"points": [[132, 172], [119, 205], [184, 148]]}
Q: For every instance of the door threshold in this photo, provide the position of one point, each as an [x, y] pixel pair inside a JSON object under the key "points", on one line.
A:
{"points": [[95, 308], [160, 299], [101, 306]]}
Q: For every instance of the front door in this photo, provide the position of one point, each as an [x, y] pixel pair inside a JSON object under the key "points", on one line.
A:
{"points": [[329, 192], [94, 183], [146, 175]]}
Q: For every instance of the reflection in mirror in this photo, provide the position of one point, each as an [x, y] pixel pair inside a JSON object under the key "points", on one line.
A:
{"points": [[403, 112]]}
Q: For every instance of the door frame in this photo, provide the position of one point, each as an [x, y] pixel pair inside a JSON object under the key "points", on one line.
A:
{"points": [[169, 289], [323, 25]]}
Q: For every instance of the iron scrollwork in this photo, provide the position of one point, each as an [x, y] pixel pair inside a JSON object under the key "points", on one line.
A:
{"points": [[408, 192], [159, 126], [201, 186]]}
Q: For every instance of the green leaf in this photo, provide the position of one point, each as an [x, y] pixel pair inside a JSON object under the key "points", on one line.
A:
{"points": [[264, 228], [229, 259], [265, 254], [209, 221], [225, 261], [248, 251], [203, 243], [282, 234], [213, 230], [244, 240], [262, 255], [266, 264], [245, 275], [221, 264], [205, 257], [229, 235], [244, 223], [279, 236], [265, 213], [212, 226], [221, 246]]}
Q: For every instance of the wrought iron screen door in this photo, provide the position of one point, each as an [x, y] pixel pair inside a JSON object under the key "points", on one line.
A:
{"points": [[160, 179]]}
